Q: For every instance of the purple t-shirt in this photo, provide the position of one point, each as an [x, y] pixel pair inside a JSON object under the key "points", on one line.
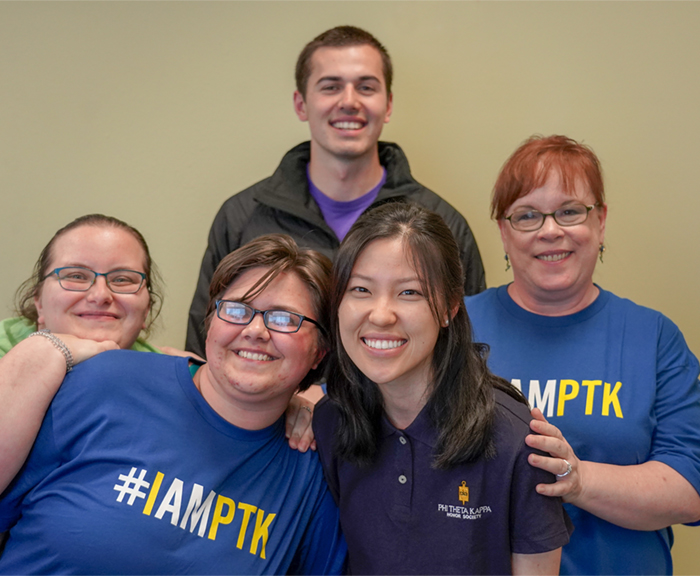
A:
{"points": [[340, 216]]}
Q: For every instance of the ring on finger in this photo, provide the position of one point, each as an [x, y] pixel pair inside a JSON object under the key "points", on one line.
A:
{"points": [[568, 469], [307, 408]]}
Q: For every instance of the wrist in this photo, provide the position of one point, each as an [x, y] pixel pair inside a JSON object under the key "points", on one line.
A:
{"points": [[577, 496], [57, 343]]}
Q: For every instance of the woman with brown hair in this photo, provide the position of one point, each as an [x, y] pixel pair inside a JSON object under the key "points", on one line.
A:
{"points": [[153, 464], [94, 288]]}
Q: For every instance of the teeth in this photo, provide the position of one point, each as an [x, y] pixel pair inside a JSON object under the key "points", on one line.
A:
{"points": [[383, 344], [554, 257], [254, 356], [347, 125]]}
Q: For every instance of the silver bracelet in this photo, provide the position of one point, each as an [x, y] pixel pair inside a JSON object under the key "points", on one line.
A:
{"points": [[58, 343]]}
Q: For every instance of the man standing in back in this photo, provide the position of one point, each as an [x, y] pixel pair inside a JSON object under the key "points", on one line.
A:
{"points": [[321, 187]]}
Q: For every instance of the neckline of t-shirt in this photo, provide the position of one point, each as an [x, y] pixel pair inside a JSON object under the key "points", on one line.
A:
{"points": [[208, 414], [520, 313], [344, 206]]}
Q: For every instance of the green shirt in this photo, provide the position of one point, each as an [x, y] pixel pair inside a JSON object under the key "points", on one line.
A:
{"points": [[14, 330]]}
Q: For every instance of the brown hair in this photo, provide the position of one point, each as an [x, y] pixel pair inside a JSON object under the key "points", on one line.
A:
{"points": [[339, 37], [277, 253], [31, 288], [530, 165], [461, 402]]}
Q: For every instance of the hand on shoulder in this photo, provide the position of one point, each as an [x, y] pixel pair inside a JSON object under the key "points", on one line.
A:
{"points": [[562, 462]]}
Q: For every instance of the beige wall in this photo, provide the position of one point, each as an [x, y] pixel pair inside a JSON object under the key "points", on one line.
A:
{"points": [[157, 112]]}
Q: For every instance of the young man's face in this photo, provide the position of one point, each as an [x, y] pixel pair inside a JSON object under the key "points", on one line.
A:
{"points": [[346, 102]]}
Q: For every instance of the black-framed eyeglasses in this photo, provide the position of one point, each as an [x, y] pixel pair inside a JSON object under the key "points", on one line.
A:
{"points": [[275, 320], [80, 279], [528, 220]]}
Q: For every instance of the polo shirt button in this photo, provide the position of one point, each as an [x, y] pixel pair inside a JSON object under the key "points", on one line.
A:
{"points": [[402, 479], [402, 440]]}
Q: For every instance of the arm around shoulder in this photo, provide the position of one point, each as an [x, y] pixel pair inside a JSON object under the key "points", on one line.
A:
{"points": [[30, 375]]}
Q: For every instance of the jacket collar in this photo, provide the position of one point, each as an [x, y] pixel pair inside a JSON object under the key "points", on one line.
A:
{"points": [[288, 188]]}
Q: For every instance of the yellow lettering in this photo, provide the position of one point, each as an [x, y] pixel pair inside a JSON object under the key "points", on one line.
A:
{"points": [[221, 501], [564, 396], [248, 509], [591, 393], [148, 508], [611, 398], [261, 531]]}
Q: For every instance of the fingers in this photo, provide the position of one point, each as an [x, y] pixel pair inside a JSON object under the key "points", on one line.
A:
{"points": [[170, 351], [306, 439], [556, 489], [545, 428], [536, 413], [556, 447], [298, 424], [291, 419], [81, 348], [565, 483], [557, 466], [108, 345]]}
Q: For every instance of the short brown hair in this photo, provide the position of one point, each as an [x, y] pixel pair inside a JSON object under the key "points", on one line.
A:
{"points": [[31, 288], [339, 37], [531, 164], [278, 253]]}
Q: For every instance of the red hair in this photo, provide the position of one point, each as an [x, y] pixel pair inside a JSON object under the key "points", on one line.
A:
{"points": [[531, 164]]}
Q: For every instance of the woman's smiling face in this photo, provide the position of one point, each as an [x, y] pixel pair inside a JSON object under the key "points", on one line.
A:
{"points": [[387, 325], [98, 313], [554, 265], [250, 363]]}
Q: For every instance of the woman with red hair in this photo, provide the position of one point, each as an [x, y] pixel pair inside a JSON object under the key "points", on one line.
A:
{"points": [[616, 381]]}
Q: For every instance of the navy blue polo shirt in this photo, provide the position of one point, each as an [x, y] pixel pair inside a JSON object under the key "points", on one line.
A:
{"points": [[402, 516]]}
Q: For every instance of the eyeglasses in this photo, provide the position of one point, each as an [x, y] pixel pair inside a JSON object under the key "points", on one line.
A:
{"points": [[275, 320], [528, 220], [79, 279]]}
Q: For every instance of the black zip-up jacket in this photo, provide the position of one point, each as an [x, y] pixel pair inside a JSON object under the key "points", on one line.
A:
{"points": [[282, 203]]}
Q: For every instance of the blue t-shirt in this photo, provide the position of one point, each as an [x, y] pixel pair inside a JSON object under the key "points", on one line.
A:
{"points": [[621, 384], [134, 473], [340, 216]]}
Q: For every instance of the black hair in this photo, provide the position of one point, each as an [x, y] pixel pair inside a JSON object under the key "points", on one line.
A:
{"points": [[461, 403]]}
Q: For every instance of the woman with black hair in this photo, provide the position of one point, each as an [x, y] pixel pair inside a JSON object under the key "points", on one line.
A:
{"points": [[423, 447]]}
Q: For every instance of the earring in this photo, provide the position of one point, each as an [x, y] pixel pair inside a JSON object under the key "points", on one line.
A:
{"points": [[447, 322], [601, 251], [507, 262]]}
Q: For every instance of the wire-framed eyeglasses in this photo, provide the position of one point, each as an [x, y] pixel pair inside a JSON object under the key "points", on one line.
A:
{"points": [[529, 220], [80, 279], [275, 320]]}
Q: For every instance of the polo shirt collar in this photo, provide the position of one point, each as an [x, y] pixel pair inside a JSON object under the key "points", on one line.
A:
{"points": [[420, 430]]}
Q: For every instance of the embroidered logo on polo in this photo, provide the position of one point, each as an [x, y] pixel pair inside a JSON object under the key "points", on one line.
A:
{"points": [[463, 512]]}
